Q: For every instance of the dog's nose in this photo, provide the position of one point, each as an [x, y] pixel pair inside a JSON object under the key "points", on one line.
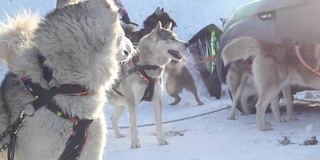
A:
{"points": [[186, 44], [126, 52]]}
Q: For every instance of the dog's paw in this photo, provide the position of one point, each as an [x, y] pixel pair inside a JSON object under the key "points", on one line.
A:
{"points": [[232, 117], [265, 127], [283, 120], [120, 136], [174, 103], [291, 118], [200, 103], [163, 142], [135, 145]]}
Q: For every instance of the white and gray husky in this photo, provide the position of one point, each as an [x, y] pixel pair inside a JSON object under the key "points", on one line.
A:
{"points": [[59, 71], [142, 79]]}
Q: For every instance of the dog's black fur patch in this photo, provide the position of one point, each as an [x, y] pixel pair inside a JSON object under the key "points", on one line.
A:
{"points": [[149, 24]]}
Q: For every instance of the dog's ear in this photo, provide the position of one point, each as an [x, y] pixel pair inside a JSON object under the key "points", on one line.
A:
{"points": [[157, 11], [162, 9], [168, 26], [158, 27]]}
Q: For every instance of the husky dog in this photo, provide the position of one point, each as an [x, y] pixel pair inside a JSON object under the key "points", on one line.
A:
{"points": [[239, 77], [56, 84], [142, 79], [17, 34], [241, 85], [179, 78], [276, 67], [149, 24]]}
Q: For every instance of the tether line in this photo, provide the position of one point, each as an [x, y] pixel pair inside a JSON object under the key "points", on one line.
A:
{"points": [[176, 120]]}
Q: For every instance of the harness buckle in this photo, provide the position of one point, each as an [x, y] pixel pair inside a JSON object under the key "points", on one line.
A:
{"points": [[19, 122]]}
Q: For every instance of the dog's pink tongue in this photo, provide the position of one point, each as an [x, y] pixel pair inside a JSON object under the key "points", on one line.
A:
{"points": [[176, 54]]}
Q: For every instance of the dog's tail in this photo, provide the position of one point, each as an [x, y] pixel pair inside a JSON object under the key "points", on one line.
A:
{"points": [[17, 32], [240, 49]]}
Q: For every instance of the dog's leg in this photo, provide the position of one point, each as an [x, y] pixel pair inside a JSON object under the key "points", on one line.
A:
{"points": [[172, 90], [261, 107], [276, 110], [266, 95], [117, 112], [286, 91], [232, 83], [177, 99], [237, 95], [133, 125], [193, 90], [157, 110]]}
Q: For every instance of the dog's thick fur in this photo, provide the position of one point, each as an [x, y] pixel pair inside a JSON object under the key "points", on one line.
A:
{"points": [[153, 49], [82, 43], [239, 77], [241, 85], [179, 78], [16, 34], [275, 67], [149, 24]]}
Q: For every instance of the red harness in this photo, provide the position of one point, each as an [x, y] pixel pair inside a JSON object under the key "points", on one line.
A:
{"points": [[140, 70]]}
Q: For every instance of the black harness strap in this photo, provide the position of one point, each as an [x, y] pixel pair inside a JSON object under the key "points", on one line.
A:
{"points": [[46, 71], [43, 97], [140, 69]]}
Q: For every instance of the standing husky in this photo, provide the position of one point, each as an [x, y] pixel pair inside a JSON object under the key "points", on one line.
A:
{"points": [[56, 84], [241, 85], [142, 79], [276, 67], [179, 77]]}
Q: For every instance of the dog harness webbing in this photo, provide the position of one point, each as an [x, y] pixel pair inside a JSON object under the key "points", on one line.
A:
{"points": [[43, 97], [140, 69], [315, 70]]}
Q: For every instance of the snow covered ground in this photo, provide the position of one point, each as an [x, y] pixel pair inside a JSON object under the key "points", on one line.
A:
{"points": [[191, 136]]}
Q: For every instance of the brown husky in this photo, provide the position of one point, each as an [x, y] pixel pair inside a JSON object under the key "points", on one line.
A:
{"points": [[179, 78]]}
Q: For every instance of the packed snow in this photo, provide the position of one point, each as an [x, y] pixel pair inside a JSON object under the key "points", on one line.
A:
{"points": [[198, 132]]}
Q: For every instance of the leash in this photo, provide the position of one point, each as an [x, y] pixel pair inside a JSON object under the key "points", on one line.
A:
{"points": [[209, 50], [13, 137], [314, 70], [209, 59], [12, 130]]}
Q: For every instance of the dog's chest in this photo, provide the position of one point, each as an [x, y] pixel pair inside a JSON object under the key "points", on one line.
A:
{"points": [[44, 132]]}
